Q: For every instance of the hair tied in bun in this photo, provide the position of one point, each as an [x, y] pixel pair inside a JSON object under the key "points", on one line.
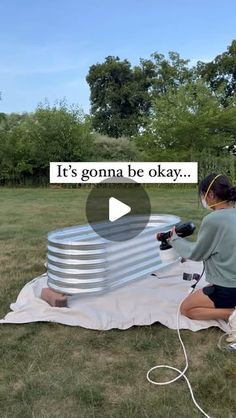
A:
{"points": [[232, 194]]}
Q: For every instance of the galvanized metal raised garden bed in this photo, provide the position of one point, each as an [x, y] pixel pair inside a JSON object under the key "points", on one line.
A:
{"points": [[79, 261]]}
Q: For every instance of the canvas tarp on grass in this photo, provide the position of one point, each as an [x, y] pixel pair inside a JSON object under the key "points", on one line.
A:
{"points": [[143, 302]]}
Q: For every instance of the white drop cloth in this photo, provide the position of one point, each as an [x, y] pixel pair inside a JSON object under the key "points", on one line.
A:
{"points": [[140, 303]]}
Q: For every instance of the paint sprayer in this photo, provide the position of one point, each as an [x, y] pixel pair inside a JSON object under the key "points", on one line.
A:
{"points": [[182, 230]]}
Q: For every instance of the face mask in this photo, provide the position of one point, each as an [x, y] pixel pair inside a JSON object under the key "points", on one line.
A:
{"points": [[204, 203]]}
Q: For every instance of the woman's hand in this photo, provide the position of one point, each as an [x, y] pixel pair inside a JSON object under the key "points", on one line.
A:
{"points": [[158, 235], [173, 231]]}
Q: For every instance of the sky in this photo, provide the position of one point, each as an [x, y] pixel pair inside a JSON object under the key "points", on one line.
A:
{"points": [[47, 46]]}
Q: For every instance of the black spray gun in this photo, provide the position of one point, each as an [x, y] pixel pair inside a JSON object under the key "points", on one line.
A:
{"points": [[182, 230]]}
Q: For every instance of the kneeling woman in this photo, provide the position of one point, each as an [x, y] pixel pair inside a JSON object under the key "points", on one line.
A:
{"points": [[216, 246]]}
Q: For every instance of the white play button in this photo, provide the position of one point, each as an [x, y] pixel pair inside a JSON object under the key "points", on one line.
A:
{"points": [[117, 209]]}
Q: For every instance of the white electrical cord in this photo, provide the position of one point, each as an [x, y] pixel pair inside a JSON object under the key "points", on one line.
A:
{"points": [[219, 343], [174, 368]]}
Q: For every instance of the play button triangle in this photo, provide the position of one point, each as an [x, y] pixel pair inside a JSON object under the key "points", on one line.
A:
{"points": [[117, 209]]}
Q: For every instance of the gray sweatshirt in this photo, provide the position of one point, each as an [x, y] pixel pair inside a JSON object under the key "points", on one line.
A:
{"points": [[216, 245]]}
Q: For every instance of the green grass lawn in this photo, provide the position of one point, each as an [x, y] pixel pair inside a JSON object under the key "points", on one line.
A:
{"points": [[51, 370]]}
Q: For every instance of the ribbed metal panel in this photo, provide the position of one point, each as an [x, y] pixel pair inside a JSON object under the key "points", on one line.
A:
{"points": [[79, 261]]}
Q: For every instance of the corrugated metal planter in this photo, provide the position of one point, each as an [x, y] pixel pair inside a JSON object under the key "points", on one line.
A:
{"points": [[79, 261]]}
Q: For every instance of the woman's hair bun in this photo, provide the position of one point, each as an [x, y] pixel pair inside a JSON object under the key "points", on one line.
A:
{"points": [[232, 194]]}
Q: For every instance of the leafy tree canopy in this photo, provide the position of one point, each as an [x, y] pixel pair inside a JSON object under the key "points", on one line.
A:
{"points": [[221, 72], [119, 95]]}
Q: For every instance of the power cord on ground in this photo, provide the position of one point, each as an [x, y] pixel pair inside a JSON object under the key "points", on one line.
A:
{"points": [[181, 373]]}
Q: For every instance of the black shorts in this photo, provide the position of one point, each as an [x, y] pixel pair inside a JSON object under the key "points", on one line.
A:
{"points": [[223, 297]]}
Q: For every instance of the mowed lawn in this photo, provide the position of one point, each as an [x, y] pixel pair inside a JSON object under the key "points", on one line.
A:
{"points": [[51, 370]]}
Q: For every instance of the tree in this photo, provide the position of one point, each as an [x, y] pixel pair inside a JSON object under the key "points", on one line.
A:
{"points": [[2, 115], [109, 149], [186, 121], [29, 142], [171, 72], [221, 73], [119, 96]]}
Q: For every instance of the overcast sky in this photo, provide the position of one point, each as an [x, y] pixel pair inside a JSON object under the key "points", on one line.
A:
{"points": [[47, 46]]}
